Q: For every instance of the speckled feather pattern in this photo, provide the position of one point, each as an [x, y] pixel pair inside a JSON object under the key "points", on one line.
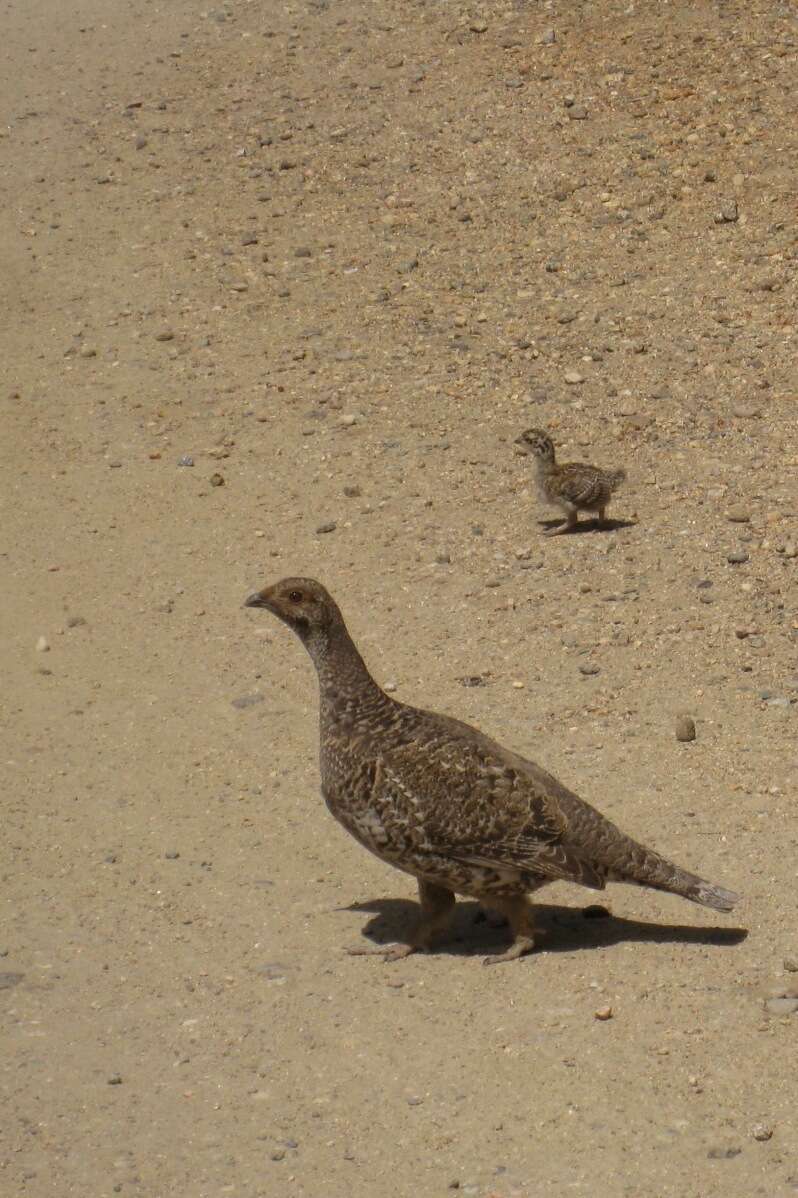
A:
{"points": [[440, 800], [577, 485], [571, 486]]}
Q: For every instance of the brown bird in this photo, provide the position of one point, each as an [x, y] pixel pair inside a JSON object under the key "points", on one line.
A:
{"points": [[445, 803], [573, 487]]}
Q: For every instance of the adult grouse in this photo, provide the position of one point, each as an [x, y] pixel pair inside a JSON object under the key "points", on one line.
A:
{"points": [[442, 801]]}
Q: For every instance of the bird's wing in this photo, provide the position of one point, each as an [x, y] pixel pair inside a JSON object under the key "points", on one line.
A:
{"points": [[476, 802], [580, 484], [557, 862]]}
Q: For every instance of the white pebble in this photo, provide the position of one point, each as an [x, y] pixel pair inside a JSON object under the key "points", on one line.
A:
{"points": [[42, 645]]}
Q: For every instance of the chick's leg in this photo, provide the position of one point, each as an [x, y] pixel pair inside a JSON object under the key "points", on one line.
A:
{"points": [[567, 526]]}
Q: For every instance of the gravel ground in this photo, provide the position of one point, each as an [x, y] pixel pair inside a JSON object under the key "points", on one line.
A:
{"points": [[283, 284]]}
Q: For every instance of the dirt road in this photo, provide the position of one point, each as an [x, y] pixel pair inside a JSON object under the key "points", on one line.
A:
{"points": [[337, 257]]}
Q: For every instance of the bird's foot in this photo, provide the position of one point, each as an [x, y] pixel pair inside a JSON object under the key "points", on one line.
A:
{"points": [[388, 952], [520, 946], [567, 526]]}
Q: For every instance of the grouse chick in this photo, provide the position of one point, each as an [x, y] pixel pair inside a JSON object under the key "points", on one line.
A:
{"points": [[573, 487], [443, 802]]}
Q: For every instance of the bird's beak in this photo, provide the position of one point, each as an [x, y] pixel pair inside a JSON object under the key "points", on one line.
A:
{"points": [[256, 599]]}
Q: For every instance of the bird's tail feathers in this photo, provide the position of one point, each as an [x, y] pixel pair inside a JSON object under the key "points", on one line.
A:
{"points": [[707, 894], [644, 867]]}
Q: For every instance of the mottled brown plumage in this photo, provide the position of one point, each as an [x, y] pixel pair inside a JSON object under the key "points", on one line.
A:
{"points": [[574, 486], [442, 801]]}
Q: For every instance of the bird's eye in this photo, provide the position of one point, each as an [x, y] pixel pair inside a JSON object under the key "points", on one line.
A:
{"points": [[295, 596]]}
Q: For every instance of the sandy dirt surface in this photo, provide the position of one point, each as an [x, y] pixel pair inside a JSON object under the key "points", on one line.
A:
{"points": [[340, 255]]}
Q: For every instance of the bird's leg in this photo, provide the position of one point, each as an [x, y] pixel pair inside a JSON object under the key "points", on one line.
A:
{"points": [[602, 515], [567, 526], [519, 915], [437, 904]]}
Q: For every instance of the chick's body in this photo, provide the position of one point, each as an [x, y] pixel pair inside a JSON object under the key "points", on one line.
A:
{"points": [[573, 487]]}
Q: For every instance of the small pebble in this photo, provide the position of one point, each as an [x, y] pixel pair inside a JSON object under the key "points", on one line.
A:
{"points": [[171, 855], [781, 1006], [603, 1013], [573, 377], [728, 213], [737, 557], [685, 728], [762, 1131], [328, 526], [245, 701], [738, 515], [217, 480], [115, 1079], [791, 964], [352, 492], [186, 460], [589, 669], [42, 645], [165, 335]]}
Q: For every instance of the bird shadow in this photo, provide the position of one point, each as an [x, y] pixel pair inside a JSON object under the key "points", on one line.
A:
{"points": [[585, 526], [563, 929]]}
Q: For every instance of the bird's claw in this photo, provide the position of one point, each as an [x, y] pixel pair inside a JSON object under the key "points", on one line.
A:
{"points": [[388, 952]]}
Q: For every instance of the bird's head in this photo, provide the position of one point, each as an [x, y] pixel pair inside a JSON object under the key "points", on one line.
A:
{"points": [[536, 442], [301, 603]]}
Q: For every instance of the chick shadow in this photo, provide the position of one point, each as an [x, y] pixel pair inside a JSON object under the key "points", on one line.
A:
{"points": [[584, 526], [562, 929]]}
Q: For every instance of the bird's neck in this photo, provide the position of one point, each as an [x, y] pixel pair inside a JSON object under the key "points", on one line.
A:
{"points": [[344, 679], [545, 466]]}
